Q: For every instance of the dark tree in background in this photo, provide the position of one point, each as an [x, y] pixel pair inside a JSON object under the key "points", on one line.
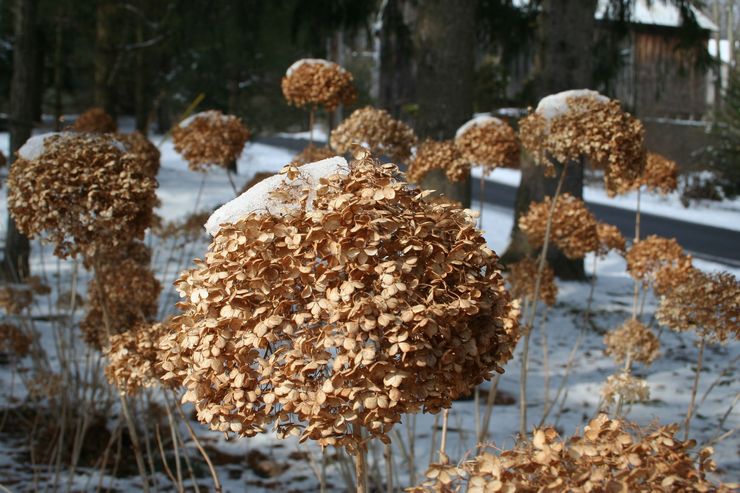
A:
{"points": [[444, 48], [396, 80]]}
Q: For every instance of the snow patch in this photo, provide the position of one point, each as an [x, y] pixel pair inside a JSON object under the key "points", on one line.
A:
{"points": [[35, 146], [261, 197], [309, 61], [556, 105], [210, 114], [476, 121]]}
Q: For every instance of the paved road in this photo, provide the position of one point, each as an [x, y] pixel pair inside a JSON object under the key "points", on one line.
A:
{"points": [[705, 242]]}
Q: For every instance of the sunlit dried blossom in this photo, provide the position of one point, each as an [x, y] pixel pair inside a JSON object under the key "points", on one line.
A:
{"points": [[672, 274], [132, 358], [659, 174], [210, 138], [610, 456], [311, 154], [82, 190], [376, 130], [137, 144], [646, 257], [633, 341], [706, 303], [624, 385], [610, 239], [13, 340], [370, 304], [444, 155], [575, 124], [573, 229], [15, 298], [316, 82], [488, 142], [522, 276], [96, 121], [122, 295]]}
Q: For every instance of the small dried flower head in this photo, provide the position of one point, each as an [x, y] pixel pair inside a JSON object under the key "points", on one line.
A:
{"points": [[37, 285], [522, 276], [610, 456], [488, 142], [672, 274], [311, 154], [137, 144], [132, 358], [376, 130], [574, 124], [646, 257], [660, 174], [332, 299], [14, 341], [609, 239], [15, 298], [632, 341], [444, 155], [121, 295], [573, 229], [96, 121], [210, 138], [706, 303], [84, 191], [45, 385], [316, 82], [625, 386]]}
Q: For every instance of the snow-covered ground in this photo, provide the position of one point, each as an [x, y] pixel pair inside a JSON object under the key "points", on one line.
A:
{"points": [[669, 378]]}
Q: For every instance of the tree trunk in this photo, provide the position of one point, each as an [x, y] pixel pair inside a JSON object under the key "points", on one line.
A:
{"points": [[396, 84], [17, 247], [444, 50], [141, 77], [566, 30], [105, 55]]}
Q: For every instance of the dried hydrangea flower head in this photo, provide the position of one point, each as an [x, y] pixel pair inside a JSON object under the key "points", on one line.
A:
{"points": [[334, 298], [376, 130], [15, 298], [433, 154], [522, 276], [610, 239], [136, 143], [132, 358], [573, 231], [625, 387], [583, 123], [14, 341], [489, 142], [84, 191], [648, 256], [660, 174], [123, 294], [316, 82], [611, 456], [632, 341], [96, 121], [310, 154], [706, 303], [210, 138]]}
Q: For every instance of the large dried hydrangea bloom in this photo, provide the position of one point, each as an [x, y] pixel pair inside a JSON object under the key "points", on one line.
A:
{"points": [[610, 456], [310, 154], [210, 138], [352, 303], [122, 295], [706, 303], [444, 155], [15, 298], [610, 238], [522, 276], [14, 341], [378, 131], [137, 144], [488, 142], [316, 82], [132, 358], [573, 229], [625, 387], [96, 121], [582, 123], [660, 174], [82, 190], [646, 257], [633, 341]]}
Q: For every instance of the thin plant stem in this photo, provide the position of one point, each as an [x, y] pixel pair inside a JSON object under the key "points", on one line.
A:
{"points": [[568, 367], [636, 293], [231, 182], [490, 402], [135, 443], [694, 388], [388, 456], [589, 302], [196, 441], [360, 462], [433, 439], [443, 440], [311, 116], [481, 198]]}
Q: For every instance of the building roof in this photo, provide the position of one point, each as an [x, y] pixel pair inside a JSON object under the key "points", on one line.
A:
{"points": [[658, 13]]}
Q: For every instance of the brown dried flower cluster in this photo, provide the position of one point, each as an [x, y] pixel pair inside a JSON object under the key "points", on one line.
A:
{"points": [[14, 341], [660, 174], [14, 299], [210, 138], [625, 386], [316, 82], [45, 384], [96, 121], [591, 126], [522, 277], [378, 131], [573, 229], [647, 257], [706, 303], [132, 358], [122, 295], [490, 143], [370, 304], [84, 191], [609, 239], [610, 456], [136, 143], [632, 341], [310, 154], [444, 155]]}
